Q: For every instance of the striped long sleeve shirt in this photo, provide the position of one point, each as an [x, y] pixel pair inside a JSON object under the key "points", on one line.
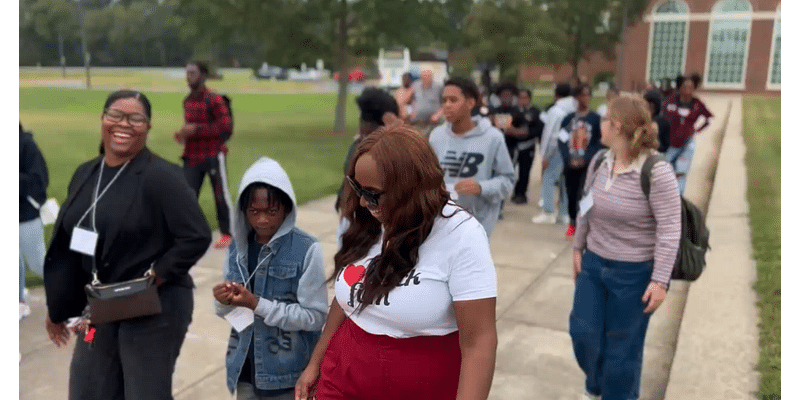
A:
{"points": [[622, 225]]}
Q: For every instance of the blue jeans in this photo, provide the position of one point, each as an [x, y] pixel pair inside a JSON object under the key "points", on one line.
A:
{"points": [[31, 250], [553, 176], [681, 160], [608, 325]]}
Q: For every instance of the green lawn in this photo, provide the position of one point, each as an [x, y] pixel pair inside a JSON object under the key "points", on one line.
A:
{"points": [[762, 132]]}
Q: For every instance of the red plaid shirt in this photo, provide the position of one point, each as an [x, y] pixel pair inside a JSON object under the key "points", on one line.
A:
{"points": [[214, 118]]}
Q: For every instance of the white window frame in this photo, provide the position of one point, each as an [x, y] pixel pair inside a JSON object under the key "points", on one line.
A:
{"points": [[770, 85], [715, 15], [667, 18]]}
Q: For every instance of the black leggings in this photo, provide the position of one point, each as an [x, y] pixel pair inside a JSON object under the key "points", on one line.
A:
{"points": [[573, 180]]}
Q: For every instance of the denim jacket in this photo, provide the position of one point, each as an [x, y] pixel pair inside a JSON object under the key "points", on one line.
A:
{"points": [[290, 284]]}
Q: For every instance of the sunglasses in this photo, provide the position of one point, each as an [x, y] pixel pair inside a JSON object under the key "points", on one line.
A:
{"points": [[371, 197]]}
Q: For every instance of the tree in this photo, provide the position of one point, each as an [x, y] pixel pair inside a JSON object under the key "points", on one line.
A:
{"points": [[592, 25], [509, 32]]}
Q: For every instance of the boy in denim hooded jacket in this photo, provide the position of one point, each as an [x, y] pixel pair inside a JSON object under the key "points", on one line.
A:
{"points": [[274, 276]]}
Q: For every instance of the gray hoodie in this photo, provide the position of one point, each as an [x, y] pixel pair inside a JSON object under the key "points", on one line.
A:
{"points": [[310, 311], [480, 154], [552, 124]]}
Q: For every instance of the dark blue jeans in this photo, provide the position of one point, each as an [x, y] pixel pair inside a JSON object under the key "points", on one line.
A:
{"points": [[608, 325]]}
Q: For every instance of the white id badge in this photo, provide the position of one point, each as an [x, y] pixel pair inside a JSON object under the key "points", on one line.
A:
{"points": [[83, 241], [240, 318], [563, 135], [451, 187], [586, 203]]}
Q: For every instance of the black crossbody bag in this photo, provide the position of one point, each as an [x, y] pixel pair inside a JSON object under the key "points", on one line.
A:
{"points": [[122, 300]]}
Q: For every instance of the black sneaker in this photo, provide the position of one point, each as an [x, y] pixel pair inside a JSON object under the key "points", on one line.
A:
{"points": [[519, 199]]}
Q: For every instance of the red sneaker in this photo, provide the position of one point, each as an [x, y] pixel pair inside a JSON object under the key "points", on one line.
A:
{"points": [[223, 242], [570, 231]]}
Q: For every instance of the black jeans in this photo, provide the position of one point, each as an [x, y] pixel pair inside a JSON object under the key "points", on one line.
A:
{"points": [[573, 180], [218, 176], [525, 159], [133, 359]]}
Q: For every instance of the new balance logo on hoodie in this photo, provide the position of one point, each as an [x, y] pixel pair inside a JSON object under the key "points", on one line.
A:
{"points": [[463, 166]]}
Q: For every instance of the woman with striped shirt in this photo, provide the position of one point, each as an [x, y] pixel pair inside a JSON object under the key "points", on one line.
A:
{"points": [[624, 250]]}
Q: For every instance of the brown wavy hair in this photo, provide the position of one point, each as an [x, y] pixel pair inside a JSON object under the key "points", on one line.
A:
{"points": [[414, 196], [632, 113]]}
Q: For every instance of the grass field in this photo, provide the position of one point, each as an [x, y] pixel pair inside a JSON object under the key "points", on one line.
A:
{"points": [[762, 132]]}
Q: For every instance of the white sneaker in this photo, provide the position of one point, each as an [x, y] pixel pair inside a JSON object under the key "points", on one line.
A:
{"points": [[541, 202], [544, 218], [565, 219], [24, 310], [587, 396]]}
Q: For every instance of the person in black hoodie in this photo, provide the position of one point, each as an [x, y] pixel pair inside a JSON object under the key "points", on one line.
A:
{"points": [[373, 103], [653, 98], [526, 145], [33, 181]]}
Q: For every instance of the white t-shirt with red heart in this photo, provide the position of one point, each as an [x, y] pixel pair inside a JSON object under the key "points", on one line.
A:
{"points": [[455, 264]]}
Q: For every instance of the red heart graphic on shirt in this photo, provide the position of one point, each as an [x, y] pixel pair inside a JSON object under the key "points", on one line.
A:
{"points": [[353, 273]]}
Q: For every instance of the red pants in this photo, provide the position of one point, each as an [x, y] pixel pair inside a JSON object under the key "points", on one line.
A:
{"points": [[361, 366]]}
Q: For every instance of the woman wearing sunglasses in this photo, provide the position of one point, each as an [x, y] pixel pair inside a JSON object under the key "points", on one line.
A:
{"points": [[128, 212], [415, 287]]}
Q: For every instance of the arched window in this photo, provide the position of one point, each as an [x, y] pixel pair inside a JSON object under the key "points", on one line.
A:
{"points": [[774, 77], [728, 44], [668, 39]]}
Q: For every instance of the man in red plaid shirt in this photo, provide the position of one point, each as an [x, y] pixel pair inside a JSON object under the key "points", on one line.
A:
{"points": [[207, 124]]}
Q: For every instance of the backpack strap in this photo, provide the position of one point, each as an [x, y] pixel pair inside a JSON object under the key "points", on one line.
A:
{"points": [[647, 168], [600, 155]]}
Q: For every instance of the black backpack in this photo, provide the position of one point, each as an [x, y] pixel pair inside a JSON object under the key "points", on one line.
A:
{"points": [[225, 135], [691, 259]]}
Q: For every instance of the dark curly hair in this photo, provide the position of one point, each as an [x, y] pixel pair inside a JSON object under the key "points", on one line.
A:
{"points": [[373, 103]]}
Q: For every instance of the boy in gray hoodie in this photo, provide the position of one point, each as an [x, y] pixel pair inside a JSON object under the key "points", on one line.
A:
{"points": [[478, 171]]}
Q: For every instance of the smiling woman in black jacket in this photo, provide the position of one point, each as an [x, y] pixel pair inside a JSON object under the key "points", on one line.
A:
{"points": [[144, 216]]}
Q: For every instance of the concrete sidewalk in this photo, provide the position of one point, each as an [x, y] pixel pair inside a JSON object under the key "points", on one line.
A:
{"points": [[534, 355]]}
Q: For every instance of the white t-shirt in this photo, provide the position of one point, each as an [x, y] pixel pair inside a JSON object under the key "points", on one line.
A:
{"points": [[455, 264]]}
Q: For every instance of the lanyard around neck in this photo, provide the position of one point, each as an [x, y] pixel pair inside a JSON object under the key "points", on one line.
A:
{"points": [[96, 197], [241, 271]]}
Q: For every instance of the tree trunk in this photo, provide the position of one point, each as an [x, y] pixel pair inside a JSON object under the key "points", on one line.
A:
{"points": [[621, 76], [61, 57], [341, 101], [576, 56], [85, 46]]}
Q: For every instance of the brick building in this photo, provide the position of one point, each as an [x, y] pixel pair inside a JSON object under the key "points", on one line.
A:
{"points": [[734, 44]]}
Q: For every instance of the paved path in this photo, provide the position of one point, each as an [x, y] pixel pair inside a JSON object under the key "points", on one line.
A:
{"points": [[534, 355]]}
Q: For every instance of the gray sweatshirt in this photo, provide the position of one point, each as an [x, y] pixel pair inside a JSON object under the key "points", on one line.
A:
{"points": [[480, 154]]}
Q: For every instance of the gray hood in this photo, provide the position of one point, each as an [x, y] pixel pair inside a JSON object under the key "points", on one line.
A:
{"points": [[268, 171], [482, 125]]}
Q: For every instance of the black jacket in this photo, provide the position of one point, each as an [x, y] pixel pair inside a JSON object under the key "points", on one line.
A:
{"points": [[664, 132], [32, 177], [162, 223]]}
